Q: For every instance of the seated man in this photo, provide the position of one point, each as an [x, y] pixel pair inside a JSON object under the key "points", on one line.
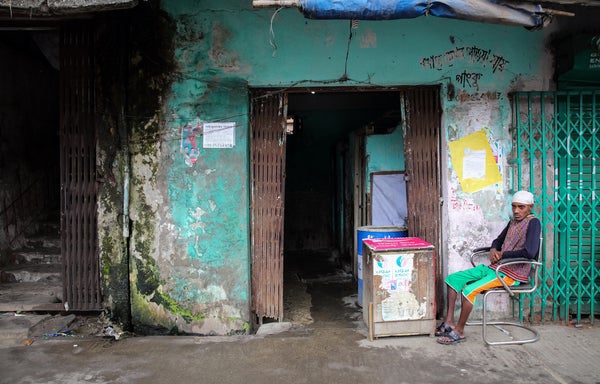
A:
{"points": [[520, 239]]}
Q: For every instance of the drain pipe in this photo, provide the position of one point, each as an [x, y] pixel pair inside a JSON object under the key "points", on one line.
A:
{"points": [[126, 313], [125, 148], [126, 175]]}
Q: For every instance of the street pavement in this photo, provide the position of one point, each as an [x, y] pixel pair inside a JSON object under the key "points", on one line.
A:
{"points": [[321, 352], [322, 339]]}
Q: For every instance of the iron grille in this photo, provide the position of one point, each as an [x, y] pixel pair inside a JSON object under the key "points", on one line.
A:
{"points": [[555, 155]]}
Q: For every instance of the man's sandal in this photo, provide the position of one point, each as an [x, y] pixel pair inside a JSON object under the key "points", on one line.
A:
{"points": [[451, 338], [443, 329]]}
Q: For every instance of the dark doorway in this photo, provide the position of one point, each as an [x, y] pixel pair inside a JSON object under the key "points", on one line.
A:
{"points": [[29, 169], [48, 237], [333, 143], [323, 128]]}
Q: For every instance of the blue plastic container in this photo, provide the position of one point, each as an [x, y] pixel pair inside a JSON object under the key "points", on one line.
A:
{"points": [[373, 232]]}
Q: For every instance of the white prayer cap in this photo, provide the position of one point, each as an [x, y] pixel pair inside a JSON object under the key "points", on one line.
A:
{"points": [[523, 197]]}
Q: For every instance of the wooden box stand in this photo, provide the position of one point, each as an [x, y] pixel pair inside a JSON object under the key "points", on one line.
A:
{"points": [[399, 287]]}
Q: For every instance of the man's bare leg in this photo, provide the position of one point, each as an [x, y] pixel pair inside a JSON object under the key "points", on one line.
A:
{"points": [[465, 311], [452, 294], [459, 328]]}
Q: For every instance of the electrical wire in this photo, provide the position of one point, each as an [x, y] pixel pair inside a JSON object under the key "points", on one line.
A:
{"points": [[272, 33]]}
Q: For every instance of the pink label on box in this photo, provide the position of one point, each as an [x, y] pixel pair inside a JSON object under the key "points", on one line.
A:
{"points": [[396, 243]]}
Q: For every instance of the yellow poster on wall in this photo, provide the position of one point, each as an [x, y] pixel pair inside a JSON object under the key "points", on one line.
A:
{"points": [[474, 162]]}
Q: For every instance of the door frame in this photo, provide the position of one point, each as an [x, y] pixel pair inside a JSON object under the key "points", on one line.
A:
{"points": [[413, 102]]}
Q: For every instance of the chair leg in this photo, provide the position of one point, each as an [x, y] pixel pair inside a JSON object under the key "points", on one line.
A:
{"points": [[484, 323]]}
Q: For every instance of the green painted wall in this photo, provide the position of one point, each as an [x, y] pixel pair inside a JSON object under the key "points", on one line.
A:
{"points": [[199, 279], [194, 246], [385, 153]]}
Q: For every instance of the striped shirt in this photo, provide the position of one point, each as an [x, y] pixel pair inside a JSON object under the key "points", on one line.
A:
{"points": [[520, 239]]}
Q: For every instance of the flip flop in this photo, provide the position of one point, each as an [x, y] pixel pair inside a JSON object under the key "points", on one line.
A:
{"points": [[443, 329], [451, 338]]}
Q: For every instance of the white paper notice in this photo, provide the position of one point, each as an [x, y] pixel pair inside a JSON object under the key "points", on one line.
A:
{"points": [[219, 135], [474, 164]]}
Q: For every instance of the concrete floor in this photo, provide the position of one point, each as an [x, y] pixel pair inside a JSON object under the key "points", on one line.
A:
{"points": [[322, 341]]}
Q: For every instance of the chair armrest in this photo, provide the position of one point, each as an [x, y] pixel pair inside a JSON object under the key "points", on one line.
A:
{"points": [[516, 260], [478, 252], [519, 260]]}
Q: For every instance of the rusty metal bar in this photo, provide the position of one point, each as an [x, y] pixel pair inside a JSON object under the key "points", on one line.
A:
{"points": [[78, 170], [267, 203]]}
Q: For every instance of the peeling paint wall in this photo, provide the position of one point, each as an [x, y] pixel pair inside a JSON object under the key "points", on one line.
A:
{"points": [[131, 80], [189, 204], [190, 235], [110, 167], [202, 232], [485, 211]]}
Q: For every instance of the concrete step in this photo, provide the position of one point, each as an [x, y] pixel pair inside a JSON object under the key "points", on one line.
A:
{"points": [[31, 273], [40, 256], [43, 241], [31, 296]]}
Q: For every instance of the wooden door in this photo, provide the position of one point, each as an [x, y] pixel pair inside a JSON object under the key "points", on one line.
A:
{"points": [[422, 121]]}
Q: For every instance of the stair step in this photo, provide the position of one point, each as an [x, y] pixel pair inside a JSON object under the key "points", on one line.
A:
{"points": [[31, 273], [50, 241], [46, 256], [49, 225]]}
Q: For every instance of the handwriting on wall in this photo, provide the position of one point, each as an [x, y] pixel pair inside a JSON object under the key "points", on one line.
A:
{"points": [[473, 55], [462, 203], [468, 79]]}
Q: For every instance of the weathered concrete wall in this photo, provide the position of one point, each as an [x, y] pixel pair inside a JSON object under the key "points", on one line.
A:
{"points": [[134, 72], [190, 238], [201, 231], [189, 215], [475, 219]]}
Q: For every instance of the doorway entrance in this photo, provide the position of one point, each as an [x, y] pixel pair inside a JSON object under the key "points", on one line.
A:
{"points": [[30, 267], [335, 139], [48, 207]]}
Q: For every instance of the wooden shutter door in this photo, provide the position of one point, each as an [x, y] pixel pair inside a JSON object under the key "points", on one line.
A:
{"points": [[422, 115], [267, 151]]}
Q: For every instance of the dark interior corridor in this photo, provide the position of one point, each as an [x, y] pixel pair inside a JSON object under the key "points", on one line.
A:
{"points": [[319, 285], [30, 270]]}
